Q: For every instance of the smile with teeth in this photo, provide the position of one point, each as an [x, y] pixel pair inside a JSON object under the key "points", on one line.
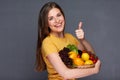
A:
{"points": [[58, 25]]}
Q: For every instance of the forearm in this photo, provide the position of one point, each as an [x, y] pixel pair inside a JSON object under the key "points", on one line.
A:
{"points": [[79, 73], [84, 44], [87, 46], [69, 73]]}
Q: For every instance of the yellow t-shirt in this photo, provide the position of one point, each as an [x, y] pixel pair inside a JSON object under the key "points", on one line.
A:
{"points": [[52, 44]]}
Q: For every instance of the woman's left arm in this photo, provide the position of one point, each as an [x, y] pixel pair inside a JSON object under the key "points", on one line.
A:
{"points": [[84, 44], [87, 46]]}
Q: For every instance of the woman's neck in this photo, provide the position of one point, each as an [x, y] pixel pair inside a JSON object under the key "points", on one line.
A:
{"points": [[60, 35]]}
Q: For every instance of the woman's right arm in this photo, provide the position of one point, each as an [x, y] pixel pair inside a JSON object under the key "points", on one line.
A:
{"points": [[67, 73]]}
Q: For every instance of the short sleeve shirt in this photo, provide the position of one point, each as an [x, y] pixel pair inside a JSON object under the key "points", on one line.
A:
{"points": [[52, 44]]}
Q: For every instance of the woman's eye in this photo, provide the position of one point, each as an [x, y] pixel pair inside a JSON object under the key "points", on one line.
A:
{"points": [[50, 18], [59, 14]]}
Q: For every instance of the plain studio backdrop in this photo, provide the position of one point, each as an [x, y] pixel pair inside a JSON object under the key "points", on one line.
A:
{"points": [[18, 35]]}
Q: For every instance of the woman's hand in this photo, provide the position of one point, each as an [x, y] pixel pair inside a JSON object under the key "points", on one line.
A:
{"points": [[79, 32], [97, 66]]}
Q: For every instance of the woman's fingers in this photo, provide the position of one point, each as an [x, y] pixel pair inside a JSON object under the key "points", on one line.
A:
{"points": [[80, 25], [79, 32]]}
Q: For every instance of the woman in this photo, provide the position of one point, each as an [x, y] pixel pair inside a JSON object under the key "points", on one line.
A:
{"points": [[52, 38]]}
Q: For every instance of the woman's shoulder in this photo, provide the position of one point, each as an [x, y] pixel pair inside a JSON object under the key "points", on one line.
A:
{"points": [[47, 39]]}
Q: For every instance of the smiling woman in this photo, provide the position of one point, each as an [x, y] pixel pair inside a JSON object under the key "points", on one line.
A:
{"points": [[52, 39], [56, 21]]}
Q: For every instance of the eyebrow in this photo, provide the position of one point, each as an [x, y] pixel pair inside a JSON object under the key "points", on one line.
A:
{"points": [[57, 13]]}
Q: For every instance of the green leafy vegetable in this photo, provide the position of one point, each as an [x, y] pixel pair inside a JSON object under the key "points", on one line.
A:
{"points": [[72, 48]]}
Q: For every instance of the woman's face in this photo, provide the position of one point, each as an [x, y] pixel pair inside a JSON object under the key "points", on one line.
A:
{"points": [[56, 20]]}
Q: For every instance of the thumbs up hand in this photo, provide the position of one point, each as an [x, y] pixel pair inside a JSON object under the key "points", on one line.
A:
{"points": [[79, 32]]}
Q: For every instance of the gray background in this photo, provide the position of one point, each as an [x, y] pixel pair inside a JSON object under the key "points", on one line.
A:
{"points": [[18, 35]]}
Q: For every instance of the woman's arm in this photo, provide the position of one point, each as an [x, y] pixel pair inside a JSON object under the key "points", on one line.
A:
{"points": [[87, 45], [84, 44], [67, 73]]}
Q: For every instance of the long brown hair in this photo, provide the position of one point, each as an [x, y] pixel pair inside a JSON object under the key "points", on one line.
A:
{"points": [[43, 31]]}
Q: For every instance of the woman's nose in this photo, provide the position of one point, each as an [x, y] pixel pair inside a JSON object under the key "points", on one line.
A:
{"points": [[56, 20]]}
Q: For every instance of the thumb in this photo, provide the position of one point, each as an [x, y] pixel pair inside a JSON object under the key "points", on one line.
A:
{"points": [[80, 25]]}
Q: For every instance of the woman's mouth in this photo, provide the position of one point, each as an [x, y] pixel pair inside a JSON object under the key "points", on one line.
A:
{"points": [[58, 25]]}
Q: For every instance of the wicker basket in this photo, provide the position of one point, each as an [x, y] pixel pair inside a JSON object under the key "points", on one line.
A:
{"points": [[86, 66]]}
